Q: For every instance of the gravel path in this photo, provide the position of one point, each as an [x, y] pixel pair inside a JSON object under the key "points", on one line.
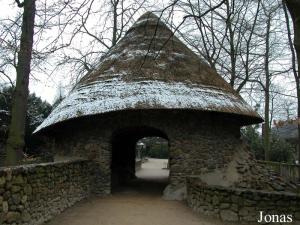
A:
{"points": [[137, 204]]}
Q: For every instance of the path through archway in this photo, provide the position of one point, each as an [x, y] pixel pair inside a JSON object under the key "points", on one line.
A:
{"points": [[133, 169]]}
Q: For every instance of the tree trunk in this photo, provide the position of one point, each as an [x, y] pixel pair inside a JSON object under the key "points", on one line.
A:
{"points": [[115, 23], [267, 94], [15, 142], [231, 42], [266, 133], [293, 7]]}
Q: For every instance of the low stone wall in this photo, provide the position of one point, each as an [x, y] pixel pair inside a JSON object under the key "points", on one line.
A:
{"points": [[241, 205], [33, 194], [286, 170]]}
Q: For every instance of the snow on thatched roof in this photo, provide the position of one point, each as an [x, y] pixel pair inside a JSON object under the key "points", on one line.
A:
{"points": [[150, 68]]}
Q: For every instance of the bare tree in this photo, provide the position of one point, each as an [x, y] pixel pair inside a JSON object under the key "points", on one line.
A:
{"points": [[266, 87], [293, 7], [101, 25], [269, 13], [288, 108], [9, 43], [225, 38], [44, 46], [15, 142], [243, 41]]}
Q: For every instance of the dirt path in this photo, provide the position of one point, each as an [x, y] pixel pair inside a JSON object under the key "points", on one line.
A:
{"points": [[137, 204]]}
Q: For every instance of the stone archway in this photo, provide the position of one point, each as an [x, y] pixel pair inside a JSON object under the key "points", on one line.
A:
{"points": [[123, 143]]}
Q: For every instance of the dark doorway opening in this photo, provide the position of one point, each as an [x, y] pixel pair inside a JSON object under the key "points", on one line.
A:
{"points": [[132, 167]]}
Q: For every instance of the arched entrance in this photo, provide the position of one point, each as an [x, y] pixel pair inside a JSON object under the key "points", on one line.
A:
{"points": [[124, 153]]}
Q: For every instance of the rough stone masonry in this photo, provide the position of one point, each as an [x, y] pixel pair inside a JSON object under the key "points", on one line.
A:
{"points": [[33, 194], [241, 205]]}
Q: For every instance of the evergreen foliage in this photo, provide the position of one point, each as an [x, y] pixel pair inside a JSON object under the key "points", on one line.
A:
{"points": [[37, 111], [155, 147], [281, 150]]}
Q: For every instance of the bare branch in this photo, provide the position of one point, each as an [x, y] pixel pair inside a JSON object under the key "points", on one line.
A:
{"points": [[20, 5]]}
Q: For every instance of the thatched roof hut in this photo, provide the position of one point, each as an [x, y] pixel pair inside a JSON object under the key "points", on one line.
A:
{"points": [[152, 85], [150, 68]]}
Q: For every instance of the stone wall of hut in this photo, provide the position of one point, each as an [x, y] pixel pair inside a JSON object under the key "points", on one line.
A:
{"points": [[198, 142]]}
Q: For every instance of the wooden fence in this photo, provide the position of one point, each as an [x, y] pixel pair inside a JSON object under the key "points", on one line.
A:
{"points": [[286, 170]]}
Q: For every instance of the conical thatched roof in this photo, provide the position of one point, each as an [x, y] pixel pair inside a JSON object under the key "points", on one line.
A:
{"points": [[150, 68]]}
